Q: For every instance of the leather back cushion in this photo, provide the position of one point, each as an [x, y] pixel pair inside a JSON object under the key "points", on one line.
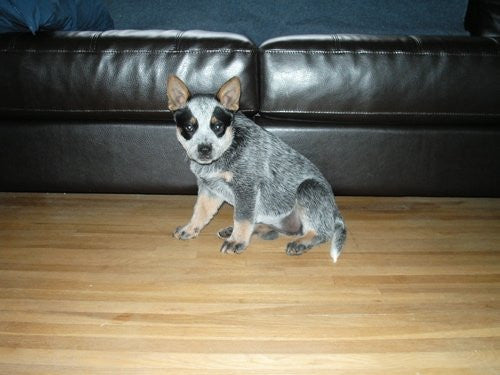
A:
{"points": [[118, 74], [369, 78]]}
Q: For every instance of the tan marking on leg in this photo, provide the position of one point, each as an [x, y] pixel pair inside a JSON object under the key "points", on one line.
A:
{"points": [[204, 209], [302, 244], [242, 231], [307, 238], [239, 239]]}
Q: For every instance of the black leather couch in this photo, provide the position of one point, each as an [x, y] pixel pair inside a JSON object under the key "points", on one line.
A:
{"points": [[86, 111]]}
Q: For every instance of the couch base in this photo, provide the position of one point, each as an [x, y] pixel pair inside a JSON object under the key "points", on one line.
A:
{"points": [[131, 157], [83, 156], [399, 160]]}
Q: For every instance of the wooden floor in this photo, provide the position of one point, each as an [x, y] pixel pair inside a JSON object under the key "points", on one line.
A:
{"points": [[95, 284]]}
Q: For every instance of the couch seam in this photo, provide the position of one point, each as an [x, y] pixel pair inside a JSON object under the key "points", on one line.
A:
{"points": [[7, 109], [291, 52], [345, 52], [12, 109], [382, 113], [178, 40], [170, 51]]}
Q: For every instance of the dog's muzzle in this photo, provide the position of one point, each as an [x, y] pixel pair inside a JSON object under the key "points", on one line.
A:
{"points": [[205, 152]]}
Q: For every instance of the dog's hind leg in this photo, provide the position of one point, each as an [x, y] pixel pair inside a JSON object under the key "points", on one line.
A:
{"points": [[317, 213], [304, 243]]}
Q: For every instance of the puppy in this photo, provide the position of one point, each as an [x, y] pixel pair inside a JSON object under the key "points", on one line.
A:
{"points": [[272, 187]]}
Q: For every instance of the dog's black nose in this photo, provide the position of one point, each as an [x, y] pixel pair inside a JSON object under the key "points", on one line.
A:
{"points": [[205, 150]]}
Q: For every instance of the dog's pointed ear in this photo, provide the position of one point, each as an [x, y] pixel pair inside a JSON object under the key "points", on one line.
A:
{"points": [[177, 93], [229, 94]]}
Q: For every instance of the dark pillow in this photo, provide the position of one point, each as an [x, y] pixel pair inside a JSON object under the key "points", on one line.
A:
{"points": [[52, 15], [483, 18]]}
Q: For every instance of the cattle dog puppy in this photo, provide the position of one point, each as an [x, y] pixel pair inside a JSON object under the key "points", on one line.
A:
{"points": [[273, 189]]}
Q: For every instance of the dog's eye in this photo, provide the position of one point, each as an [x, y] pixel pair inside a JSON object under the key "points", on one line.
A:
{"points": [[220, 121], [189, 127]]}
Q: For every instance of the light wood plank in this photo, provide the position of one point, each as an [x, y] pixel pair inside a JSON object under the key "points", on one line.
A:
{"points": [[96, 284]]}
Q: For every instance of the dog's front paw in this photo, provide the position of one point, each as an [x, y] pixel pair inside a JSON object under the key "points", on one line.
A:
{"points": [[233, 247], [186, 232]]}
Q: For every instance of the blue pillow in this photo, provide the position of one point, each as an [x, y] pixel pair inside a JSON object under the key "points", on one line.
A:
{"points": [[52, 15]]}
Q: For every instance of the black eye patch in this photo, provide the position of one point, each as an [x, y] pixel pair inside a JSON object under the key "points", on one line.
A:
{"points": [[186, 123], [220, 121]]}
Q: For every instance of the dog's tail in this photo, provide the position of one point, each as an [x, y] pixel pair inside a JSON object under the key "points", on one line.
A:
{"points": [[338, 239]]}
